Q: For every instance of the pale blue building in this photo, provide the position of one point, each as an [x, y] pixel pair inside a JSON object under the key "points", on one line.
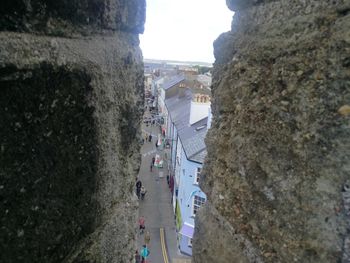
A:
{"points": [[190, 196], [187, 153]]}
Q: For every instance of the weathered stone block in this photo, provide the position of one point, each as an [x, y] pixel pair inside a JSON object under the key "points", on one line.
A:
{"points": [[278, 150], [67, 17], [70, 110], [48, 162]]}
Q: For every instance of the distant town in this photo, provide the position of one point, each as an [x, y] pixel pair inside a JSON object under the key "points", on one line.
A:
{"points": [[177, 63]]}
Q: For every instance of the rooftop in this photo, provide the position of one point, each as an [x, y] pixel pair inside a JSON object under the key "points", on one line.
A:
{"points": [[191, 136], [173, 81]]}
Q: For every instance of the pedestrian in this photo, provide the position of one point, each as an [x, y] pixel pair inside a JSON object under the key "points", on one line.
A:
{"points": [[150, 168], [146, 137], [153, 160], [150, 138], [142, 224], [144, 253], [147, 238], [157, 145], [137, 257], [138, 188], [143, 192], [138, 183]]}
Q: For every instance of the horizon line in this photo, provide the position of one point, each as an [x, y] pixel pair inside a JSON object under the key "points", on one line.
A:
{"points": [[183, 61]]}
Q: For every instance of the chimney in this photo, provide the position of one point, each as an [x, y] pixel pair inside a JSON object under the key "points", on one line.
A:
{"points": [[199, 109], [182, 89]]}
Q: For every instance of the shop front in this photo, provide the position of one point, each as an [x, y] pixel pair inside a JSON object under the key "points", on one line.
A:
{"points": [[185, 242]]}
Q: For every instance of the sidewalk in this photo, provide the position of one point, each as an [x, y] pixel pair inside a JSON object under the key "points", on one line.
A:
{"points": [[157, 207]]}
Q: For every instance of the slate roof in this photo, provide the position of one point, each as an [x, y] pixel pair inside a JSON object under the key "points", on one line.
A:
{"points": [[191, 136], [179, 109], [172, 81]]}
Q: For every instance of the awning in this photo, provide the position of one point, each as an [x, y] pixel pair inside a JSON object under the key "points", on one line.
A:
{"points": [[187, 230]]}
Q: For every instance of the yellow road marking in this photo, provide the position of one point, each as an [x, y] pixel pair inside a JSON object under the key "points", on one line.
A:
{"points": [[162, 242]]}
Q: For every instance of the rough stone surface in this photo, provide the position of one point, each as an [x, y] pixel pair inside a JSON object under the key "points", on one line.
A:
{"points": [[236, 5], [279, 147], [70, 120], [67, 17]]}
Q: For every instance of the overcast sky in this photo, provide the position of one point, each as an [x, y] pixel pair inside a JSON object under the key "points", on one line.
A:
{"points": [[184, 29]]}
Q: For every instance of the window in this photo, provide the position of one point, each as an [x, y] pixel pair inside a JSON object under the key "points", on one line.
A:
{"points": [[190, 242], [197, 203], [197, 175]]}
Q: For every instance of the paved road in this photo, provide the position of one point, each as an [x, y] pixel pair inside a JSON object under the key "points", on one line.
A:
{"points": [[156, 207]]}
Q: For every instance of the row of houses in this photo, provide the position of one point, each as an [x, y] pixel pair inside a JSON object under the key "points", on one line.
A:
{"points": [[183, 102]]}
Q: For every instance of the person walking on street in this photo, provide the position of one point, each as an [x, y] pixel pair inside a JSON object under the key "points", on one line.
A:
{"points": [[150, 168], [137, 257], [153, 160], [143, 192], [144, 253], [142, 224], [138, 188], [150, 138], [147, 238]]}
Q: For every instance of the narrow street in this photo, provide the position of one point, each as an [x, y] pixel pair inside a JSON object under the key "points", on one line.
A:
{"points": [[156, 206]]}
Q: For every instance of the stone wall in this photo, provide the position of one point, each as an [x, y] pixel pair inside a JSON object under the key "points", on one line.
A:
{"points": [[71, 83], [279, 148]]}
